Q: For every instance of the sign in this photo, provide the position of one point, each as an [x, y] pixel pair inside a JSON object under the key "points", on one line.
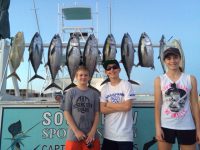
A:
{"points": [[44, 128], [35, 128]]}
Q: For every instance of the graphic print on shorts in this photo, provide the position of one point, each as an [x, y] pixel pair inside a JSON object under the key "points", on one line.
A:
{"points": [[177, 98]]}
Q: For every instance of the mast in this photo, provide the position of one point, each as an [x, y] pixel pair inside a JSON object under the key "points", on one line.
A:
{"points": [[110, 11], [36, 16]]}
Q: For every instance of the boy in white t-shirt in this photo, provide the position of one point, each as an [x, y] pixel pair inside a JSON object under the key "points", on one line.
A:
{"points": [[116, 103]]}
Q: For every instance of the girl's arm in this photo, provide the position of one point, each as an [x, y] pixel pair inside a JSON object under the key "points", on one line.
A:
{"points": [[157, 104], [194, 106], [78, 133]]}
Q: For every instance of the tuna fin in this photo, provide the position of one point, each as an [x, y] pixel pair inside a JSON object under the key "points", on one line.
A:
{"points": [[133, 82], [153, 67], [36, 76], [138, 64], [105, 81], [46, 64], [109, 50], [97, 70], [22, 60], [53, 51], [90, 86], [14, 74], [52, 85], [70, 86], [145, 51]]}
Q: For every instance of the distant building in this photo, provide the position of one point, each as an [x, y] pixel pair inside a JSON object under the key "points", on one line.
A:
{"points": [[23, 92]]}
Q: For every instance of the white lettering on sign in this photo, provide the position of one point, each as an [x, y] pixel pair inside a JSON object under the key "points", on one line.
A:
{"points": [[49, 133], [57, 118], [52, 123], [47, 120], [53, 147]]}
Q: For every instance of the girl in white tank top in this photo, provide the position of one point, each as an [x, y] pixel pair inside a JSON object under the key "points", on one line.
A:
{"points": [[176, 104]]}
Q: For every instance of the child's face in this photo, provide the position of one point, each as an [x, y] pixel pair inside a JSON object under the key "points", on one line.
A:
{"points": [[172, 61], [112, 71], [82, 77]]}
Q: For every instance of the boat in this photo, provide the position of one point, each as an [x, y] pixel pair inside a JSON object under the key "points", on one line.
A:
{"points": [[38, 119]]}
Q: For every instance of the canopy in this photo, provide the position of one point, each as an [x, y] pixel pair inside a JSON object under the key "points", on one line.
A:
{"points": [[77, 13], [4, 19]]}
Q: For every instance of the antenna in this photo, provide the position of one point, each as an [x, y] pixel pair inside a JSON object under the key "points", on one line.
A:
{"points": [[36, 16], [110, 16]]}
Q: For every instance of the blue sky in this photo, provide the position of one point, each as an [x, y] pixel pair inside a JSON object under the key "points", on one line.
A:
{"points": [[179, 19]]}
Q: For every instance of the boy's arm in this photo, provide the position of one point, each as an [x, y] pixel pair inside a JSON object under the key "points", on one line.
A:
{"points": [[78, 133], [109, 107], [104, 109], [93, 130], [124, 106]]}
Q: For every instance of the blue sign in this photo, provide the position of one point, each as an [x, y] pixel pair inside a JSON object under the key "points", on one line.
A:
{"points": [[45, 128], [33, 128]]}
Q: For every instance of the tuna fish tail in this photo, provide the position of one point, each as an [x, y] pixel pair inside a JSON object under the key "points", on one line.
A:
{"points": [[139, 64], [15, 75], [70, 86], [36, 76], [53, 85], [133, 82], [105, 81]]}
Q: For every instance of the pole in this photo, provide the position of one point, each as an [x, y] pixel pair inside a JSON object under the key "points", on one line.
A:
{"points": [[110, 16], [36, 16]]}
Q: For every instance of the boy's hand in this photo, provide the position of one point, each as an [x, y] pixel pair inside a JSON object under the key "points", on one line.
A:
{"points": [[80, 135], [90, 137]]}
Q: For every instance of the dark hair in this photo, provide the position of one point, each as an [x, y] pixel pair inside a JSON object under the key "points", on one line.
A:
{"points": [[171, 51], [108, 62]]}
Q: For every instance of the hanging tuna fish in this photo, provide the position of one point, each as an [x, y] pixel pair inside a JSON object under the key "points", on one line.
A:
{"points": [[73, 57], [54, 59], [109, 48], [145, 51], [109, 51], [35, 54], [162, 48], [127, 55], [177, 44], [16, 53], [90, 55]]}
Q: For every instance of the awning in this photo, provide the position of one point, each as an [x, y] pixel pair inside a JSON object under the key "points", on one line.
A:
{"points": [[77, 13], [4, 19]]}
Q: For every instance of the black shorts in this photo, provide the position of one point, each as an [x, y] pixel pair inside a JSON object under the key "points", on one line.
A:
{"points": [[184, 137], [116, 145]]}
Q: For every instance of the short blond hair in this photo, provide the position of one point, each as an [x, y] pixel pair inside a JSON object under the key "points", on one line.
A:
{"points": [[82, 68]]}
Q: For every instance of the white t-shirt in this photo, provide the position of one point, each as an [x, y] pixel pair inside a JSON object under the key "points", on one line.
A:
{"points": [[176, 112], [118, 125]]}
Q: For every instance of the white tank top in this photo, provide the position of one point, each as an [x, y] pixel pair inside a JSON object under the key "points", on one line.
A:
{"points": [[175, 111]]}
